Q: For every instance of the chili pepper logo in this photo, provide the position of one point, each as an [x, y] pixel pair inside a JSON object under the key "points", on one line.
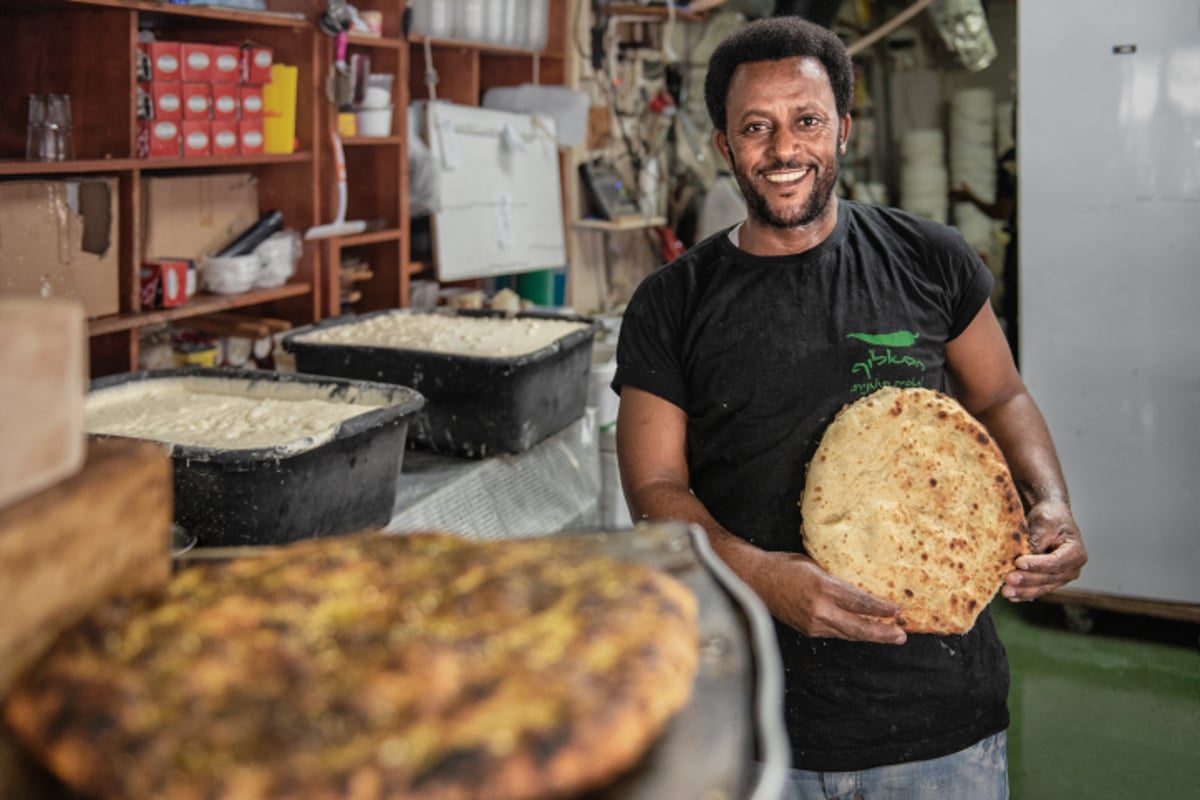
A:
{"points": [[897, 339]]}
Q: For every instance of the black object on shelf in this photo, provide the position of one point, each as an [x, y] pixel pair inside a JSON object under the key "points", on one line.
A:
{"points": [[268, 224]]}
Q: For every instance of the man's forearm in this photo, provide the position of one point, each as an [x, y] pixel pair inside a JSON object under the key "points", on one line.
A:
{"points": [[1021, 433]]}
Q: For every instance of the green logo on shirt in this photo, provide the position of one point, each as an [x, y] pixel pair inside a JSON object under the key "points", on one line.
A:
{"points": [[882, 365]]}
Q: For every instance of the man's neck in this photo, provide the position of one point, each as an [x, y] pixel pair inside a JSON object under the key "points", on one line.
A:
{"points": [[766, 240]]}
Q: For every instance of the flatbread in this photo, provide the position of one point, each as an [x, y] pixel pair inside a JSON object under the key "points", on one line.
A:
{"points": [[908, 498], [368, 666]]}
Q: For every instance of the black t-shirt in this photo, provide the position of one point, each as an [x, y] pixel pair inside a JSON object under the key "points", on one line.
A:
{"points": [[761, 352]]}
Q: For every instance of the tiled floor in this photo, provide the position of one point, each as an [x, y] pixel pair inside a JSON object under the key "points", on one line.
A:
{"points": [[1112, 713]]}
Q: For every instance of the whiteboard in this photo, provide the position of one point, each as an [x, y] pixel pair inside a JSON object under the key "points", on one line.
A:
{"points": [[500, 207]]}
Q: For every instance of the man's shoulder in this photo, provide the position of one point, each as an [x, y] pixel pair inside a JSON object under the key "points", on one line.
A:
{"points": [[900, 226]]}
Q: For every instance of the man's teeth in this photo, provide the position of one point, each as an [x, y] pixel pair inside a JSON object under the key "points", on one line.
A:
{"points": [[786, 177]]}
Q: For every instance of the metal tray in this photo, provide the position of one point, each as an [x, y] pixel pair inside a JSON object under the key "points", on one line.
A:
{"points": [[728, 742]]}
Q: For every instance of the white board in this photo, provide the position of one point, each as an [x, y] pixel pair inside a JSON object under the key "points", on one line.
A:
{"points": [[500, 192]]}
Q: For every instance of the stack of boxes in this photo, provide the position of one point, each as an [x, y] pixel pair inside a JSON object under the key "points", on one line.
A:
{"points": [[200, 99]]}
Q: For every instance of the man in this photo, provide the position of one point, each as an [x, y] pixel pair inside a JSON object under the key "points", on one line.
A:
{"points": [[734, 358]]}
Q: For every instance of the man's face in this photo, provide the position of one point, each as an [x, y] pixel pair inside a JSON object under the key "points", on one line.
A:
{"points": [[782, 138]]}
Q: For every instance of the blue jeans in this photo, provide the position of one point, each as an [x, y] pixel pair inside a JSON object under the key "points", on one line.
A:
{"points": [[978, 773]]}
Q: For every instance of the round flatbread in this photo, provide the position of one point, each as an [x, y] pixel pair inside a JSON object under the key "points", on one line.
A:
{"points": [[368, 666], [908, 498]]}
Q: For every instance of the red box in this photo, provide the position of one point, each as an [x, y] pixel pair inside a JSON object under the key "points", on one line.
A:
{"points": [[250, 136], [164, 283], [158, 138], [256, 64], [166, 99], [226, 64], [224, 137], [250, 101], [196, 62], [197, 137], [224, 101], [158, 61], [197, 100]]}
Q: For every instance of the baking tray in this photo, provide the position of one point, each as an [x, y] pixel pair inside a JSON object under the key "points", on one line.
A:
{"points": [[728, 742], [475, 406], [274, 495]]}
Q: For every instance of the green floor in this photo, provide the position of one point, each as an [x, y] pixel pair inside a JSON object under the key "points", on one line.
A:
{"points": [[1112, 713]]}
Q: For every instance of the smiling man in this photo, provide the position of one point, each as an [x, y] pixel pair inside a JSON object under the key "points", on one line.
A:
{"points": [[733, 360]]}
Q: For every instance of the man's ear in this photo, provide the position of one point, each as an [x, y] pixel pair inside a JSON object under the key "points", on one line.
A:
{"points": [[843, 134], [722, 143]]}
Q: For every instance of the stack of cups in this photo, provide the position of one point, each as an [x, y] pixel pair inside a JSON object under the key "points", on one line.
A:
{"points": [[374, 116], [48, 134], [973, 162], [924, 182]]}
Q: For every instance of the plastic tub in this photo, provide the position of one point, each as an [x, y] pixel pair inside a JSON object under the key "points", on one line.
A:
{"points": [[274, 495], [475, 407]]}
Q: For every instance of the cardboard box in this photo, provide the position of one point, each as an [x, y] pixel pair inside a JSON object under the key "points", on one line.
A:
{"points": [[256, 64], [226, 64], [191, 216], [224, 101], [250, 102], [164, 283], [59, 238], [158, 61], [197, 138], [250, 136], [225, 137], [158, 138], [196, 60], [197, 100]]}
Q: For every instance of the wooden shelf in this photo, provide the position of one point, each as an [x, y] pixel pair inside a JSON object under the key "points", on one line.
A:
{"points": [[215, 14], [367, 141], [200, 304], [371, 237], [378, 42], [97, 165], [621, 224]]}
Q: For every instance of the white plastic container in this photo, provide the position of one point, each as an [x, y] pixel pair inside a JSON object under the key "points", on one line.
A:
{"points": [[535, 17], [374, 121], [470, 20]]}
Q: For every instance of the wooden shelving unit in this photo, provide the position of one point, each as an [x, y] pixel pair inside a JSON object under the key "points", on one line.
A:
{"points": [[86, 48]]}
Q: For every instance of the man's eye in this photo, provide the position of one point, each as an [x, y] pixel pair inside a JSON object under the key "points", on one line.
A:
{"points": [[810, 121], [756, 127]]}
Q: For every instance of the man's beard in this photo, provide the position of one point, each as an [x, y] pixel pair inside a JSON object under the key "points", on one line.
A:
{"points": [[818, 199]]}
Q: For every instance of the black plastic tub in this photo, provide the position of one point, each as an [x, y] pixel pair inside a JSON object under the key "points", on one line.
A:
{"points": [[475, 406], [311, 486]]}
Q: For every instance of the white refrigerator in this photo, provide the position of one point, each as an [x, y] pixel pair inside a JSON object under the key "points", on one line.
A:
{"points": [[1108, 145]]}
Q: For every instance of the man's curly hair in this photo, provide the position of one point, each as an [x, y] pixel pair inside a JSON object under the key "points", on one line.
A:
{"points": [[774, 39]]}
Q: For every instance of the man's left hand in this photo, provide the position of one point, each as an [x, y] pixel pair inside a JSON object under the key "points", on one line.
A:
{"points": [[1057, 553]]}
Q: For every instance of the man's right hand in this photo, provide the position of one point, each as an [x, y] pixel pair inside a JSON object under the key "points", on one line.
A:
{"points": [[801, 594]]}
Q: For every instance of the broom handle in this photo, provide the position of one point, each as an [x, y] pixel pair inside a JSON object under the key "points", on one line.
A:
{"points": [[339, 161]]}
